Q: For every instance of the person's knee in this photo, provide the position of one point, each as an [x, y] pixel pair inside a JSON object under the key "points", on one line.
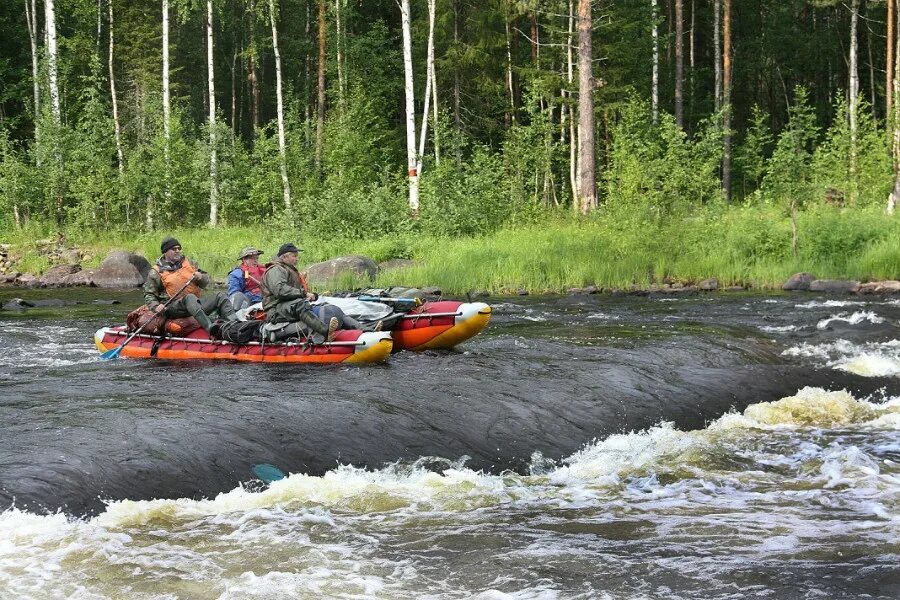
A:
{"points": [[239, 300]]}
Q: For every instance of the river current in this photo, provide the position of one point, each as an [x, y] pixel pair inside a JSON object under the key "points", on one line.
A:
{"points": [[715, 446]]}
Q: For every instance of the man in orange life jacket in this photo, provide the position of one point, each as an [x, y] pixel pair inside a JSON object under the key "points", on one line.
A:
{"points": [[170, 273], [244, 279]]}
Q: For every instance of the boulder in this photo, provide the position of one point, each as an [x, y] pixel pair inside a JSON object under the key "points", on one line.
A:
{"points": [[799, 282], [9, 277], [709, 285], [834, 286], [70, 256], [17, 304], [85, 278], [432, 291], [360, 266], [879, 287], [521, 292], [28, 280], [57, 276], [120, 270], [396, 263]]}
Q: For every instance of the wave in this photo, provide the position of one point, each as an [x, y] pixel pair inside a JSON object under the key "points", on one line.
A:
{"points": [[854, 319], [871, 359], [830, 303]]}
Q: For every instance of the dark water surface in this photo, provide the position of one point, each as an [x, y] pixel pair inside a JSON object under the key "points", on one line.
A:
{"points": [[579, 447]]}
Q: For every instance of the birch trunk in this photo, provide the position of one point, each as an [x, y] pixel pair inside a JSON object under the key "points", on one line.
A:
{"points": [[166, 100], [411, 159], [31, 17], [252, 74], [99, 25], [586, 176], [889, 79], [456, 103], [337, 42], [52, 74], [726, 100], [320, 117], [509, 75], [120, 155], [573, 133], [213, 159], [429, 87], [894, 197], [679, 63], [717, 44], [654, 94], [854, 94], [282, 151]]}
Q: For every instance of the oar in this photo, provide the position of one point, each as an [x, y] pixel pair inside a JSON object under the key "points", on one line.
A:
{"points": [[416, 301], [114, 353], [268, 473]]}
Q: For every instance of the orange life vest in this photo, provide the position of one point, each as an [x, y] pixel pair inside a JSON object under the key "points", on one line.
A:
{"points": [[174, 280]]}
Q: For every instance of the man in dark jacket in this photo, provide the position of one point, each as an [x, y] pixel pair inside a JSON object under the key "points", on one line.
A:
{"points": [[287, 300], [176, 276]]}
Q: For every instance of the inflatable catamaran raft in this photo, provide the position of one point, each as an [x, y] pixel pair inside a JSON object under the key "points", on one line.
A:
{"points": [[430, 325]]}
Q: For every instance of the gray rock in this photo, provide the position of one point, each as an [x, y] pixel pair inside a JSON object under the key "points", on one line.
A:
{"points": [[70, 256], [709, 285], [879, 287], [81, 278], [57, 276], [120, 269], [735, 288], [361, 266], [396, 263], [799, 282], [9, 277], [521, 292], [834, 286], [432, 291], [28, 280], [480, 294], [17, 304]]}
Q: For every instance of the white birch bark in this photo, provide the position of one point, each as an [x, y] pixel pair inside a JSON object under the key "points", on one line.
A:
{"points": [[213, 159], [52, 74], [338, 45], [509, 73], [717, 53], [854, 95], [112, 92], [167, 114], [282, 151], [429, 83], [573, 133], [654, 94], [31, 17], [411, 159], [894, 196]]}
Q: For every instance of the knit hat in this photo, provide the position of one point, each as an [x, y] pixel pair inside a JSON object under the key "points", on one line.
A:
{"points": [[249, 251], [289, 247], [168, 244]]}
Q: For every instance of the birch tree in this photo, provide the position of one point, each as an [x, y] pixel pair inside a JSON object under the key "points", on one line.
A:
{"points": [[679, 63], [411, 158], [853, 104], [112, 93], [717, 54], [338, 47], [586, 175], [726, 99], [320, 116], [654, 93], [31, 18], [429, 89], [285, 184], [167, 112], [52, 71], [213, 161]]}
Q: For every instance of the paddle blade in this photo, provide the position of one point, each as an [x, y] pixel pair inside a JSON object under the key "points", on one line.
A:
{"points": [[112, 354], [268, 473]]}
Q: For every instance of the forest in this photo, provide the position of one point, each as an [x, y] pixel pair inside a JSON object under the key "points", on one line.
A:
{"points": [[657, 132]]}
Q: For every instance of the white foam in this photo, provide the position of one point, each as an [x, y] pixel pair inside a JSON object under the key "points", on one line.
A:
{"points": [[872, 359], [830, 304], [778, 329], [854, 319]]}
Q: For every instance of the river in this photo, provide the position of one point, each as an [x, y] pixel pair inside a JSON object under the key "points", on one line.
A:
{"points": [[715, 446]]}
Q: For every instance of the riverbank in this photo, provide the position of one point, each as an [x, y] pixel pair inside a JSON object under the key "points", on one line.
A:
{"points": [[738, 247]]}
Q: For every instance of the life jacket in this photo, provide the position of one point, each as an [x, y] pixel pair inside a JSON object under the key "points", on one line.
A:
{"points": [[252, 277], [174, 280]]}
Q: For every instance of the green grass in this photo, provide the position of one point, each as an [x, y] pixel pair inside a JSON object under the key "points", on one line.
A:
{"points": [[749, 246]]}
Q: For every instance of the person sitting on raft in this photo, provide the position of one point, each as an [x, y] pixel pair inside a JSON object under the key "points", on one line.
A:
{"points": [[286, 300], [172, 272], [244, 279]]}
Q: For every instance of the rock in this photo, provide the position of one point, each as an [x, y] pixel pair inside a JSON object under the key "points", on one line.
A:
{"points": [[120, 270], [396, 263], [28, 280], [56, 276], [432, 291], [361, 266], [85, 278], [70, 257], [879, 287], [799, 282], [480, 294], [709, 285], [54, 302], [17, 304], [106, 302], [735, 288], [521, 292], [834, 286], [677, 285], [9, 277]]}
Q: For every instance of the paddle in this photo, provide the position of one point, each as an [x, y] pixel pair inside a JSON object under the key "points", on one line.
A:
{"points": [[415, 301], [268, 473], [114, 353]]}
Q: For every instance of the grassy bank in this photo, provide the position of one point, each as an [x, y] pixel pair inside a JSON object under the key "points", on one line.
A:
{"points": [[750, 246]]}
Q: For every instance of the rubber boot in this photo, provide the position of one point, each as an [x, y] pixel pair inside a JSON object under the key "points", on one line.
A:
{"points": [[193, 307], [226, 310], [308, 318]]}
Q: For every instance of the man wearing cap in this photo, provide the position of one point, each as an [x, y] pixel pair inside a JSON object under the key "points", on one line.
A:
{"points": [[286, 299], [176, 276], [244, 280]]}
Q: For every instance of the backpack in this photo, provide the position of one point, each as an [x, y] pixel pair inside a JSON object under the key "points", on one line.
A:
{"points": [[238, 332]]}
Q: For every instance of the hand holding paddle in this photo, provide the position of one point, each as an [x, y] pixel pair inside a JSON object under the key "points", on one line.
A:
{"points": [[114, 353]]}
